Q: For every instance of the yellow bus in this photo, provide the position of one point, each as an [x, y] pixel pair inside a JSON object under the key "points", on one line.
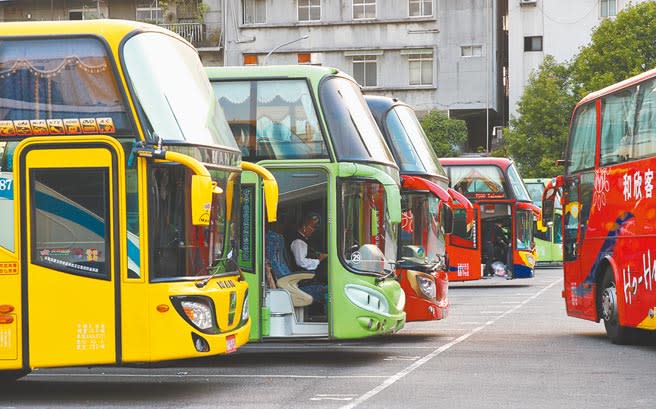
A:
{"points": [[119, 200]]}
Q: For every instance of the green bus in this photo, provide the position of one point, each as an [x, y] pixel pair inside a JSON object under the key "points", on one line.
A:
{"points": [[549, 243], [311, 128]]}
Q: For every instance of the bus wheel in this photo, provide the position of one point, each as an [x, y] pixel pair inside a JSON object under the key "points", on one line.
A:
{"points": [[616, 333]]}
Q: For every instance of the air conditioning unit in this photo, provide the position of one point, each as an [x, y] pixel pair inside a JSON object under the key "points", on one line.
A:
{"points": [[527, 2]]}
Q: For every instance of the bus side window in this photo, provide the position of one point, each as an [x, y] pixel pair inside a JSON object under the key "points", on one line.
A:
{"points": [[644, 143]]}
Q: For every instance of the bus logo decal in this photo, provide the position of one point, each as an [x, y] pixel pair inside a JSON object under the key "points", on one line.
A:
{"points": [[633, 185], [601, 187]]}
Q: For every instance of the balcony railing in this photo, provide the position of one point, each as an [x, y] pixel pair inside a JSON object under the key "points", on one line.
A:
{"points": [[192, 32]]}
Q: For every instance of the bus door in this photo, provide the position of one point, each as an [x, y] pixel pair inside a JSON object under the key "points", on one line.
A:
{"points": [[70, 189], [250, 250], [463, 248], [295, 301], [575, 288], [497, 227]]}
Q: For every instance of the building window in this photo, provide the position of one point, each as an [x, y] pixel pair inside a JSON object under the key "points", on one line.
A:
{"points": [[421, 68], [420, 8], [608, 8], [309, 10], [365, 70], [149, 13], [471, 51], [364, 9], [533, 43], [254, 11]]}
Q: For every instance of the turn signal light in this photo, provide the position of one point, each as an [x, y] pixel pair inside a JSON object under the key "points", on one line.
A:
{"points": [[6, 319], [162, 308], [6, 308]]}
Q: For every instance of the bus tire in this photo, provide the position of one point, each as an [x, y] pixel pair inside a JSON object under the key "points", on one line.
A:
{"points": [[617, 333]]}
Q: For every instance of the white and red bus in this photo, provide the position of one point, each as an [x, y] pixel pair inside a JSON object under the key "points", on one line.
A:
{"points": [[609, 208], [505, 217]]}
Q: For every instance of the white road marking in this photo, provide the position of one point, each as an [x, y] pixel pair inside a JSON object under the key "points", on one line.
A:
{"points": [[401, 374], [493, 312], [401, 358], [323, 396], [510, 302]]}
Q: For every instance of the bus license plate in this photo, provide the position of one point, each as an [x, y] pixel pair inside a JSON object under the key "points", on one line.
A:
{"points": [[231, 344]]}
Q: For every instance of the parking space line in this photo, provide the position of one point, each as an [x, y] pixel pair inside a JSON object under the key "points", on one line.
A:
{"points": [[417, 364]]}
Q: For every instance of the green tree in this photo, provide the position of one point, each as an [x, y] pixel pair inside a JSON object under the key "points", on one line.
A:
{"points": [[537, 138], [620, 48], [446, 135]]}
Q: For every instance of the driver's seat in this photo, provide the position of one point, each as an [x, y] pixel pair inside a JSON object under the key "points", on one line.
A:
{"points": [[285, 278]]}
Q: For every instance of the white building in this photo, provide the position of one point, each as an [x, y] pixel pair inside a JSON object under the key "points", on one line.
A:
{"points": [[537, 28], [432, 54]]}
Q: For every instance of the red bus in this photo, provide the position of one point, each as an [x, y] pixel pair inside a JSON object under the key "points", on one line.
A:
{"points": [[608, 208], [505, 216], [425, 230]]}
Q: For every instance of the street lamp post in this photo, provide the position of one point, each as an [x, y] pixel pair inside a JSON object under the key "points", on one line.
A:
{"points": [[274, 49]]}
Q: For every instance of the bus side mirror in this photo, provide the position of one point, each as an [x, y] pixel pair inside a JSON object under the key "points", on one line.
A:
{"points": [[202, 189], [549, 196], [447, 219]]}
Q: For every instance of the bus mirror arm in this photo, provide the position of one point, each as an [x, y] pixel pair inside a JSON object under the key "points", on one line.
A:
{"points": [[270, 188], [202, 185], [392, 190], [549, 197]]}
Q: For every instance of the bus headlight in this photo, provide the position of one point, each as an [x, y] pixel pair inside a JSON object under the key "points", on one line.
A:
{"points": [[198, 311], [367, 298], [426, 286], [244, 310]]}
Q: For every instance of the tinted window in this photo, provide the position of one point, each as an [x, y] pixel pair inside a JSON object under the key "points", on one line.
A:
{"points": [[583, 139], [410, 143], [617, 124], [69, 213], [477, 182], [644, 143], [272, 119], [353, 130], [58, 86]]}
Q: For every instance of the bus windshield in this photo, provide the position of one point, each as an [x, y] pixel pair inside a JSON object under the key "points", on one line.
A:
{"points": [[182, 249], [422, 238], [354, 132], [272, 119], [517, 185], [478, 182], [176, 111], [368, 240], [411, 143]]}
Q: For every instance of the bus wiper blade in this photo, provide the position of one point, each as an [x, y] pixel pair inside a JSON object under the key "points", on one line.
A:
{"points": [[213, 271]]}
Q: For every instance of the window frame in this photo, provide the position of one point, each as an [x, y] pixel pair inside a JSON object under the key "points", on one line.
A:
{"points": [[422, 4], [529, 44], [471, 49], [363, 4], [309, 6], [605, 6], [106, 272], [253, 4], [421, 58], [365, 59]]}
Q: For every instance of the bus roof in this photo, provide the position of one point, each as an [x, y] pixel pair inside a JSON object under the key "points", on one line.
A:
{"points": [[618, 86], [483, 160], [104, 27], [271, 71]]}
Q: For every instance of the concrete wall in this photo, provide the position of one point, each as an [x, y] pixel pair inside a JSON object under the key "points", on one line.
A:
{"points": [[566, 25]]}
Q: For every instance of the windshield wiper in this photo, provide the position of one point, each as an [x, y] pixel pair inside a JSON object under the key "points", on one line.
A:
{"points": [[216, 269]]}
